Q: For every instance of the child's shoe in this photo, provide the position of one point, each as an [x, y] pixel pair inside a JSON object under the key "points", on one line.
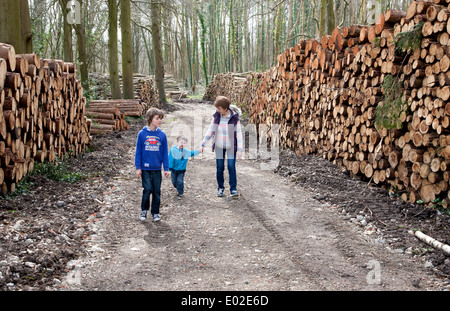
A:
{"points": [[156, 217], [143, 216], [234, 194], [180, 195], [220, 193]]}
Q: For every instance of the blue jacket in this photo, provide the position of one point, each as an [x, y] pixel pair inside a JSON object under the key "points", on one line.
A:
{"points": [[151, 150], [178, 158]]}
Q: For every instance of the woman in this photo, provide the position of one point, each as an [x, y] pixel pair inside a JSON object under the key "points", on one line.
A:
{"points": [[226, 132]]}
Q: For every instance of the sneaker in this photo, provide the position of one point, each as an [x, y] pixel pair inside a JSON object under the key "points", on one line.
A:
{"points": [[156, 217], [234, 194], [143, 216], [179, 196], [220, 193]]}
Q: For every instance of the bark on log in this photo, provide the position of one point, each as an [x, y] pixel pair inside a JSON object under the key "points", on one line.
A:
{"points": [[432, 242]]}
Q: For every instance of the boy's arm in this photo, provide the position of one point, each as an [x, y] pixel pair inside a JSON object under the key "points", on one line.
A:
{"points": [[192, 153], [171, 159], [195, 152], [138, 154], [165, 153]]}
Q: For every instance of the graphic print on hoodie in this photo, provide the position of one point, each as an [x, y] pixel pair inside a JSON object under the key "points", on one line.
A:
{"points": [[151, 150], [152, 143]]}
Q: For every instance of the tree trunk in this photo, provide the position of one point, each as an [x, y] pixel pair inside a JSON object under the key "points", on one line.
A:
{"points": [[322, 19], [10, 25], [203, 46], [67, 36], [127, 49], [82, 55], [157, 50], [27, 34], [113, 50], [331, 20]]}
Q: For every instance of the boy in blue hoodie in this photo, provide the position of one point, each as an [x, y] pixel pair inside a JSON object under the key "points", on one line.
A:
{"points": [[151, 155], [178, 158]]}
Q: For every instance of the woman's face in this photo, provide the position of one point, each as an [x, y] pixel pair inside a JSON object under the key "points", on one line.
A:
{"points": [[223, 112]]}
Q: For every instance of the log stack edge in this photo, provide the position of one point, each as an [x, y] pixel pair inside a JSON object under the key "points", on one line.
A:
{"points": [[42, 114], [323, 95]]}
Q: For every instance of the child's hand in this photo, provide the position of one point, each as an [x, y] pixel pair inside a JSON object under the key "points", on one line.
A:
{"points": [[166, 174], [239, 154], [138, 173], [200, 149]]}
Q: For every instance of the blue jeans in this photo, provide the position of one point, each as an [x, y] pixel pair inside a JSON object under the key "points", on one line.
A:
{"points": [[151, 182], [178, 180], [230, 155]]}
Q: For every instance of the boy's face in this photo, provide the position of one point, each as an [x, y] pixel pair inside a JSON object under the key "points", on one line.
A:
{"points": [[181, 144], [157, 121]]}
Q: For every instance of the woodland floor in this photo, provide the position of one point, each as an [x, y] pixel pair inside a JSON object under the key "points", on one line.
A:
{"points": [[305, 225]]}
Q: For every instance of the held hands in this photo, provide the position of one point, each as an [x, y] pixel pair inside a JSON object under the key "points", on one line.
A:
{"points": [[166, 174], [238, 154]]}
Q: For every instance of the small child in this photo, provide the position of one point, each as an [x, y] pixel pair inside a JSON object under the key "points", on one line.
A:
{"points": [[151, 155], [178, 158]]}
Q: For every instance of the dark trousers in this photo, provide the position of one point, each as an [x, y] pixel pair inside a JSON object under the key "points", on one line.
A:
{"points": [[151, 182], [221, 154], [178, 180]]}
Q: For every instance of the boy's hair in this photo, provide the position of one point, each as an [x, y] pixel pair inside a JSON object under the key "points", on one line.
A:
{"points": [[222, 101], [182, 138], [152, 112]]}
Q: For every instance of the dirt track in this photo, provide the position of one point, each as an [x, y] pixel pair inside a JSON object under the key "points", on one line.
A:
{"points": [[277, 236], [304, 225]]}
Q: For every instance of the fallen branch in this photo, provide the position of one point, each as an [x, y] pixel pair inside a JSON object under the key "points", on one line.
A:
{"points": [[430, 241]]}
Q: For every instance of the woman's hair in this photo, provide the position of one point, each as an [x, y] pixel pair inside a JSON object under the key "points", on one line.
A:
{"points": [[222, 101], [151, 113]]}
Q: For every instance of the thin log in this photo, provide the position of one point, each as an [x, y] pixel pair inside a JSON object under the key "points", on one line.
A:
{"points": [[432, 242]]}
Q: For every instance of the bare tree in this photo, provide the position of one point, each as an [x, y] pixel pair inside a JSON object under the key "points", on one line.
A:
{"points": [[113, 50], [82, 55], [15, 25], [67, 37], [127, 49], [155, 9]]}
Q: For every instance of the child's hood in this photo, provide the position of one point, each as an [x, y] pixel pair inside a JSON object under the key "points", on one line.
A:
{"points": [[236, 110], [146, 128]]}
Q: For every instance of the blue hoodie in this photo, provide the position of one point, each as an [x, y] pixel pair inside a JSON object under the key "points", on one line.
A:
{"points": [[178, 158], [151, 150]]}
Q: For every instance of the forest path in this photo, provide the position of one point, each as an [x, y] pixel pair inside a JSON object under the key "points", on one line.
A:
{"points": [[276, 236]]}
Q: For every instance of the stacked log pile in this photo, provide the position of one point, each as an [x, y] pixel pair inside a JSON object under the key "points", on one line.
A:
{"points": [[128, 107], [229, 84], [172, 88], [145, 90], [324, 94], [43, 113], [106, 116]]}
